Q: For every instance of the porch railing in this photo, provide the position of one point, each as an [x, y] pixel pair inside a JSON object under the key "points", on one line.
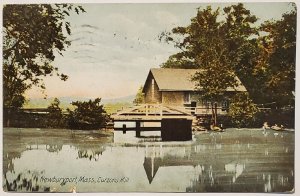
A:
{"points": [[200, 110]]}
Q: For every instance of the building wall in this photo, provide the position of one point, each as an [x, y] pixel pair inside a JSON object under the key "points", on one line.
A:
{"points": [[195, 96], [173, 98], [204, 106], [152, 95]]}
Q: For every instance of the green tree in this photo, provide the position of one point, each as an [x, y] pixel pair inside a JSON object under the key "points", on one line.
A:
{"points": [[139, 98], [217, 48], [242, 110], [87, 115], [278, 59], [32, 33], [222, 47], [241, 35], [55, 115]]}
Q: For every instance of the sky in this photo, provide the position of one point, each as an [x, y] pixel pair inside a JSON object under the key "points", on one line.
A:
{"points": [[115, 45]]}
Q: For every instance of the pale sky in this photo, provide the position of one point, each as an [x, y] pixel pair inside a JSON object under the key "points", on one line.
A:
{"points": [[115, 45]]}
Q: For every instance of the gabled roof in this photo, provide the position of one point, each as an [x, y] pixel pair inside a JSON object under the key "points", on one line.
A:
{"points": [[169, 79]]}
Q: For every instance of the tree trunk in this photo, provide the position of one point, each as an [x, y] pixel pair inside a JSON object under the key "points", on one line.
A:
{"points": [[216, 105], [8, 122], [8, 114], [212, 114]]}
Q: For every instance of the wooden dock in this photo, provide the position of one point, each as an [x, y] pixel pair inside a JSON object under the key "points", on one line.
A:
{"points": [[153, 113], [150, 113]]}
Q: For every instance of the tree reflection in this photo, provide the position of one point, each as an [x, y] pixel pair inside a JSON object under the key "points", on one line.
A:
{"points": [[25, 182], [15, 143], [54, 147], [90, 153]]}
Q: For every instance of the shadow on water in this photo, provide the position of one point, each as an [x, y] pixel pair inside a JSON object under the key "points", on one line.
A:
{"points": [[233, 161]]}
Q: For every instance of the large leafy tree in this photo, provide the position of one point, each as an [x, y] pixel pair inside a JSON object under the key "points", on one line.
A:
{"points": [[32, 34], [241, 37], [219, 49], [278, 59]]}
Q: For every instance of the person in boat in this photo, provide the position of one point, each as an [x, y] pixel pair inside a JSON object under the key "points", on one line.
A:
{"points": [[266, 126], [277, 128], [222, 127], [213, 127]]}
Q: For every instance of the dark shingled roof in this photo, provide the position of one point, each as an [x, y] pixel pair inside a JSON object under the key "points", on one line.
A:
{"points": [[169, 79]]}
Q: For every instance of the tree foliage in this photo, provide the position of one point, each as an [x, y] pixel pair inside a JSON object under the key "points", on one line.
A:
{"points": [[87, 115], [242, 110], [32, 34], [279, 58], [55, 116], [140, 97]]}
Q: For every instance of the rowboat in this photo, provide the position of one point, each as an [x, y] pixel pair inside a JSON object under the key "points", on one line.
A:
{"points": [[278, 128]]}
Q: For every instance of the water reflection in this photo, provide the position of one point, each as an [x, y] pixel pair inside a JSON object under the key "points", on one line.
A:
{"points": [[24, 181], [129, 137], [234, 161], [48, 147], [91, 154], [236, 169]]}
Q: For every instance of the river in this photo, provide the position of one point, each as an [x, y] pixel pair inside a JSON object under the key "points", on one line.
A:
{"points": [[59, 160]]}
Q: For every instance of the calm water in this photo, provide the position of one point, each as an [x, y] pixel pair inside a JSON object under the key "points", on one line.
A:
{"points": [[246, 160]]}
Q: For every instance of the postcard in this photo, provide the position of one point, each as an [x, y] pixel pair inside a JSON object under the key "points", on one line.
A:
{"points": [[149, 97]]}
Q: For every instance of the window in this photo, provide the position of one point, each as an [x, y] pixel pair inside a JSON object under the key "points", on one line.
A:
{"points": [[187, 97], [225, 105], [206, 104]]}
